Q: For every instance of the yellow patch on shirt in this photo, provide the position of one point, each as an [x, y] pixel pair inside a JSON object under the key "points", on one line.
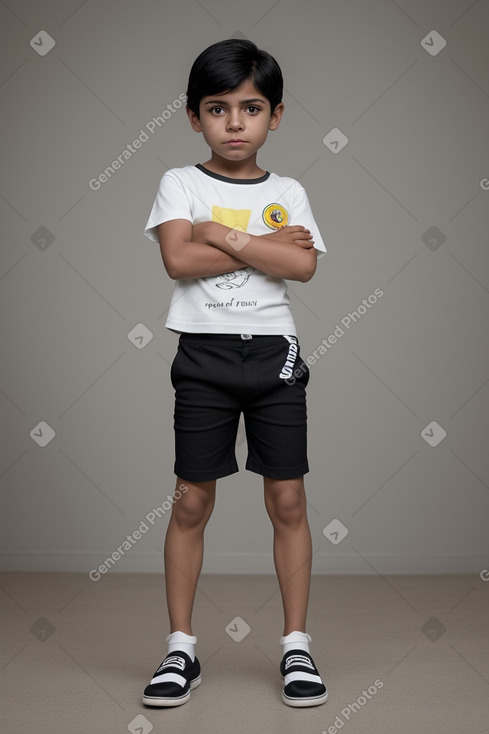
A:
{"points": [[235, 218]]}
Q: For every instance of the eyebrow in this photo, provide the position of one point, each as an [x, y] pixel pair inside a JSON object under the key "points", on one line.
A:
{"points": [[222, 103]]}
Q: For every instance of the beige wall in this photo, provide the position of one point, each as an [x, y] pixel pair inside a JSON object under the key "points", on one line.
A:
{"points": [[417, 159]]}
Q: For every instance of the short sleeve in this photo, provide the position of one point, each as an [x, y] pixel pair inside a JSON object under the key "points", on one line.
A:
{"points": [[171, 202], [302, 214]]}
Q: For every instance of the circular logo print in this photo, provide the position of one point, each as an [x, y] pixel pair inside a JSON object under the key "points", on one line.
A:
{"points": [[275, 216]]}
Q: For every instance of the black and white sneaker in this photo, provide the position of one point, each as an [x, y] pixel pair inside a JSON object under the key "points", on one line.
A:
{"points": [[173, 681], [302, 683]]}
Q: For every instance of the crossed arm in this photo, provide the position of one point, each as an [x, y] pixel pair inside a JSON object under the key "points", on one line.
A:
{"points": [[210, 248]]}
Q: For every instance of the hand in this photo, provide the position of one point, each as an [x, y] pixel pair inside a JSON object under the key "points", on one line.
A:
{"points": [[293, 234]]}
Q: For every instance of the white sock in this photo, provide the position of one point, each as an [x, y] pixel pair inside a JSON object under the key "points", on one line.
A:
{"points": [[295, 641], [183, 642]]}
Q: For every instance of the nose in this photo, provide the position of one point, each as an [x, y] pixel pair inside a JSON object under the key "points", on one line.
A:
{"points": [[235, 121]]}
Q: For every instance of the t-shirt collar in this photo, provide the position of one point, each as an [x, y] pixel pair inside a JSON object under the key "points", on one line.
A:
{"points": [[227, 179]]}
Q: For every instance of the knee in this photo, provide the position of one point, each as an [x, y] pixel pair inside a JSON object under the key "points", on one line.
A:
{"points": [[287, 507], [192, 510]]}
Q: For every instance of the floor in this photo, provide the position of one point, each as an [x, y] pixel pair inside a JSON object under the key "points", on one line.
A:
{"points": [[399, 654]]}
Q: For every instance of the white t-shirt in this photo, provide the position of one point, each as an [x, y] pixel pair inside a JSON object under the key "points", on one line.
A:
{"points": [[246, 301]]}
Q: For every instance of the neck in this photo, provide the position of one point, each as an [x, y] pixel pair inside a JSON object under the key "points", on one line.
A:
{"points": [[234, 169]]}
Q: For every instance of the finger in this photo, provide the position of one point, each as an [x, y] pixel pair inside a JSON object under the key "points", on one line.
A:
{"points": [[306, 244]]}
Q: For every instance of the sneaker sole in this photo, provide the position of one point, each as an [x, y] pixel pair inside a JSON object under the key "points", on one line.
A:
{"points": [[304, 702], [153, 701]]}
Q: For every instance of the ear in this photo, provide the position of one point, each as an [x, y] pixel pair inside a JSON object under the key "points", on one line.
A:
{"points": [[276, 116], [194, 120]]}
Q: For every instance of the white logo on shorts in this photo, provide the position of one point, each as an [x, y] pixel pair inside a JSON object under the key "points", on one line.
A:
{"points": [[288, 367]]}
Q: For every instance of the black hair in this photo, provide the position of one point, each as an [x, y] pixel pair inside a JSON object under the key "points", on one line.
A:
{"points": [[225, 65]]}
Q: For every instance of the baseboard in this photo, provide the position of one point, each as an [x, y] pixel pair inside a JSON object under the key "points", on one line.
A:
{"points": [[347, 562]]}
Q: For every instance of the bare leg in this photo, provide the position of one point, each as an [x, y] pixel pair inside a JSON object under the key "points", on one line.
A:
{"points": [[184, 550], [285, 501]]}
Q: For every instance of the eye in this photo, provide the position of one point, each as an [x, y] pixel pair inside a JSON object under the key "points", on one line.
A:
{"points": [[216, 110], [253, 109]]}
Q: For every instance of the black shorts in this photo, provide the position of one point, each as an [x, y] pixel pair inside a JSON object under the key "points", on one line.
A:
{"points": [[216, 378]]}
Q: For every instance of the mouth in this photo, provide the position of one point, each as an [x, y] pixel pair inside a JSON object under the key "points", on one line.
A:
{"points": [[235, 141]]}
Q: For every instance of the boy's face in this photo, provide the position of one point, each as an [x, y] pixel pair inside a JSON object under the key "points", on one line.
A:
{"points": [[236, 124]]}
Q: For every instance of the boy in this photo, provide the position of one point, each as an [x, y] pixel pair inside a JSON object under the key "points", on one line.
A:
{"points": [[230, 233]]}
